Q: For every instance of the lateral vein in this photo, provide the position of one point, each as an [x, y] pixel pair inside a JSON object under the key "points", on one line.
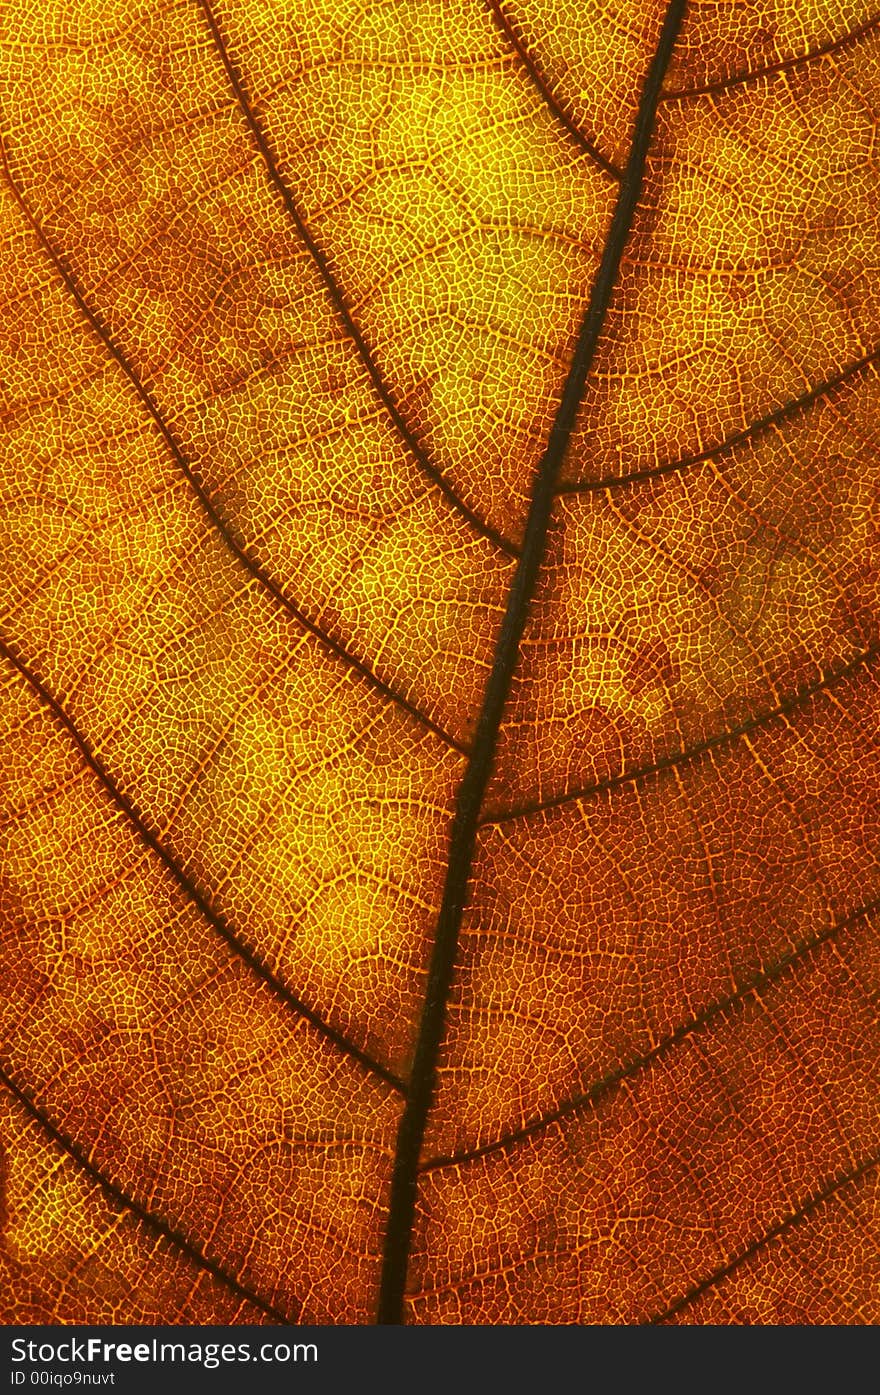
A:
{"points": [[337, 298], [213, 918], [120, 1198], [238, 550]]}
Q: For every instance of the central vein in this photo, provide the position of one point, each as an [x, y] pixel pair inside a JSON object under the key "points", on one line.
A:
{"points": [[401, 1212]]}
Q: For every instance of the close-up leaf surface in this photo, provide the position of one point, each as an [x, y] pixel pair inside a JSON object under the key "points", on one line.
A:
{"points": [[440, 799]]}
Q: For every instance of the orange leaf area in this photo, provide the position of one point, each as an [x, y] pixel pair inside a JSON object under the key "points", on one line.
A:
{"points": [[440, 662]]}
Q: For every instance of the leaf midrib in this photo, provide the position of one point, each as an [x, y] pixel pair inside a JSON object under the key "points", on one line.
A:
{"points": [[524, 597], [469, 801]]}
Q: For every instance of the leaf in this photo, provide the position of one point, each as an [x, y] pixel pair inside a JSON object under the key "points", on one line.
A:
{"points": [[440, 646]]}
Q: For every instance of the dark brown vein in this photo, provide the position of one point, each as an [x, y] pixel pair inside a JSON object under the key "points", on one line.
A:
{"points": [[251, 957], [597, 1091], [812, 1203], [339, 301], [471, 793], [119, 1198], [238, 550], [757, 428], [710, 743], [506, 27], [784, 65]]}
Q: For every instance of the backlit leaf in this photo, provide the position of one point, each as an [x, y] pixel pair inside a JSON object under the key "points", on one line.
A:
{"points": [[440, 797]]}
